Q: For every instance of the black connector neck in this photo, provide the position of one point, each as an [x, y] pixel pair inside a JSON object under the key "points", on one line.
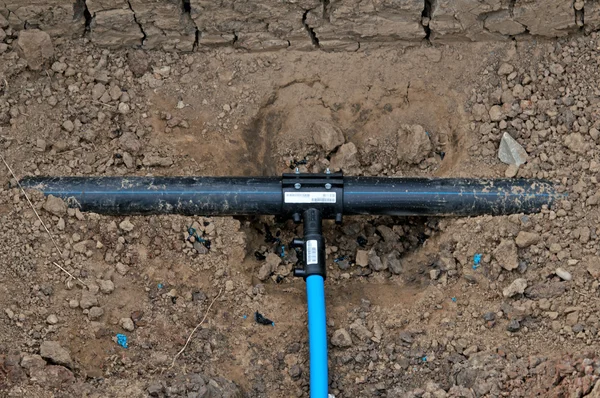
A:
{"points": [[312, 246]]}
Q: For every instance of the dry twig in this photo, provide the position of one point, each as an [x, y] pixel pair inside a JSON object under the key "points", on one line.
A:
{"points": [[43, 224], [196, 328]]}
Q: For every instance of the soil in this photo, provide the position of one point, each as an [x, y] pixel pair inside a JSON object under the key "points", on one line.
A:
{"points": [[414, 332]]}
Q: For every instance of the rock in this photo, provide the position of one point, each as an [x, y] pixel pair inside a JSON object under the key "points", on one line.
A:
{"points": [[127, 324], [495, 113], [360, 330], [557, 69], [121, 268], [375, 261], [593, 268], [526, 239], [128, 160], [545, 290], [341, 338], [88, 300], [513, 326], [73, 303], [327, 136], [563, 274], [505, 69], [362, 258], [269, 267], [126, 225], [575, 142], [517, 287], [139, 62], [200, 248], [413, 145], [106, 286], [95, 313], [55, 206], [52, 319], [157, 161], [53, 377], [345, 158], [130, 142], [506, 255], [35, 47], [511, 171], [52, 351], [98, 91], [32, 361], [392, 262], [511, 152], [434, 274], [123, 108]]}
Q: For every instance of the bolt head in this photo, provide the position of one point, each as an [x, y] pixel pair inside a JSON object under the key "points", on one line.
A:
{"points": [[328, 186], [297, 185]]}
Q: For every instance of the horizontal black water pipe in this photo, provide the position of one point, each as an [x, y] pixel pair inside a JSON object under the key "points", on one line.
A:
{"points": [[264, 195]]}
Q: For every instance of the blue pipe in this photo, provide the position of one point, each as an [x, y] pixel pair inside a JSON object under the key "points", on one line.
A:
{"points": [[317, 337]]}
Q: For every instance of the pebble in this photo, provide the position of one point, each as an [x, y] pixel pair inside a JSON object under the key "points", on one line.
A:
{"points": [[511, 152], [126, 225], [518, 286], [95, 313], [563, 274], [106, 286], [55, 353], [362, 258], [52, 319], [341, 338], [127, 324]]}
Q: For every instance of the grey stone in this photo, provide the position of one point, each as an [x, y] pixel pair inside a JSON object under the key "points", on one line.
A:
{"points": [[55, 353], [511, 152], [346, 158], [341, 338], [362, 258], [517, 287], [95, 313], [506, 255], [327, 136], [88, 300], [413, 145], [106, 286], [55, 206], [375, 261], [127, 324], [525, 239], [35, 47]]}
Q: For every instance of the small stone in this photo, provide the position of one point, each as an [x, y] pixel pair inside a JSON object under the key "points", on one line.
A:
{"points": [[327, 136], [295, 372], [126, 225], [511, 152], [32, 362], [513, 326], [506, 255], [73, 303], [88, 300], [563, 274], [434, 274], [556, 69], [413, 144], [517, 287], [341, 338], [106, 286], [525, 239], [122, 269], [52, 351], [505, 69], [229, 286], [269, 267], [496, 113], [35, 47], [95, 313], [123, 108], [68, 126], [511, 171], [55, 206], [375, 261], [345, 158], [200, 248], [127, 324], [362, 258]]}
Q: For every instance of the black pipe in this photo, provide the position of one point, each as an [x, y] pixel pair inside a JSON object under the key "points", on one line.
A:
{"points": [[264, 195]]}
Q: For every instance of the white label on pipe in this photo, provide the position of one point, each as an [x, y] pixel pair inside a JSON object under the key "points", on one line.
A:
{"points": [[312, 252], [310, 197]]}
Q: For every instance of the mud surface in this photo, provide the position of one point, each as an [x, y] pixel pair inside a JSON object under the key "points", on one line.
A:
{"points": [[411, 311]]}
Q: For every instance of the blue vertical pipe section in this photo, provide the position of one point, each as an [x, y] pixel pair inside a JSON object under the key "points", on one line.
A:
{"points": [[317, 337]]}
